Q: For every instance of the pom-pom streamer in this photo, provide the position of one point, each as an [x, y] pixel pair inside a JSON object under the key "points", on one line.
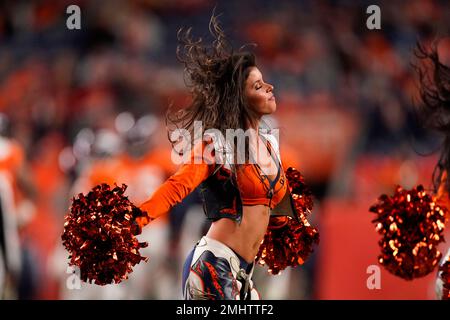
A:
{"points": [[411, 225], [287, 242], [99, 233]]}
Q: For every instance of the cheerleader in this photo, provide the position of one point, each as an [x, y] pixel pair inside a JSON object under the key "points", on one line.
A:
{"points": [[239, 197], [434, 90]]}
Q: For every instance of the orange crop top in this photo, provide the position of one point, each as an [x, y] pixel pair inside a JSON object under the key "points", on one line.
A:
{"points": [[258, 188], [253, 185]]}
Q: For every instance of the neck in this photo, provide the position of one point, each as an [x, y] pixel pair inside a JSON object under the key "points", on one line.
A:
{"points": [[254, 125]]}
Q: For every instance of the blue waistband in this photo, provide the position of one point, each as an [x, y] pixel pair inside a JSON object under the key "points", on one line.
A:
{"points": [[243, 264]]}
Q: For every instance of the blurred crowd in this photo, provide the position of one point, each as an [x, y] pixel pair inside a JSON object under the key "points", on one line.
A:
{"points": [[82, 107]]}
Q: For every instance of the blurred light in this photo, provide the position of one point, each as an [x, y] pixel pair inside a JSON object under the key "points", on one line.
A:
{"points": [[147, 125], [124, 122], [66, 159], [83, 142], [107, 143]]}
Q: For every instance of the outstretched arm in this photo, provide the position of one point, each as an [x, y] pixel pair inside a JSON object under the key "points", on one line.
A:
{"points": [[178, 186], [442, 193]]}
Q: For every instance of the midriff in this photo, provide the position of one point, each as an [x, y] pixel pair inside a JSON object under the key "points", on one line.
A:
{"points": [[244, 238]]}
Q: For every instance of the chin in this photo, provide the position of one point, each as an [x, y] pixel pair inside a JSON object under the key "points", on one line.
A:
{"points": [[272, 108]]}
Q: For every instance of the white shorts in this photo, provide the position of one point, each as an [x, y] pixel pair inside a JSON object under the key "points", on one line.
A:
{"points": [[213, 271]]}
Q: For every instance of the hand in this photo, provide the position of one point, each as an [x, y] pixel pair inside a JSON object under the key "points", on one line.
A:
{"points": [[135, 228]]}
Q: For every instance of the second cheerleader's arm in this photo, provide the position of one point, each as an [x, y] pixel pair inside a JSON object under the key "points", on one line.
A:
{"points": [[179, 185], [442, 193]]}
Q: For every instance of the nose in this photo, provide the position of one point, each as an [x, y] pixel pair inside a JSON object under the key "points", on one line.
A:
{"points": [[269, 88]]}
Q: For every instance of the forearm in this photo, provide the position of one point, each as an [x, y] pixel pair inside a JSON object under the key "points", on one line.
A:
{"points": [[173, 191], [442, 193]]}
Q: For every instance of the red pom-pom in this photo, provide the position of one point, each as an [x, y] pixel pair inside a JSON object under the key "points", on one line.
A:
{"points": [[302, 196], [412, 226], [99, 235], [288, 242]]}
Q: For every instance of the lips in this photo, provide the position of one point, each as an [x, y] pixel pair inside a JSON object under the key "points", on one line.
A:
{"points": [[272, 98]]}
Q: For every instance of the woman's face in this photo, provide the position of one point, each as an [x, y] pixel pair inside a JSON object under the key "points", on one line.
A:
{"points": [[259, 94]]}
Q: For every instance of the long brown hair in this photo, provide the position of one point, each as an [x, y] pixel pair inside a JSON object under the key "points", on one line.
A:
{"points": [[215, 75], [434, 90]]}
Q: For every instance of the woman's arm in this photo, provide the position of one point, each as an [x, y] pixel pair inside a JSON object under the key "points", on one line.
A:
{"points": [[179, 185], [442, 193]]}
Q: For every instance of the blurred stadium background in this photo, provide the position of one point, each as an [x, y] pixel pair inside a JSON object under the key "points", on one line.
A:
{"points": [[80, 107]]}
